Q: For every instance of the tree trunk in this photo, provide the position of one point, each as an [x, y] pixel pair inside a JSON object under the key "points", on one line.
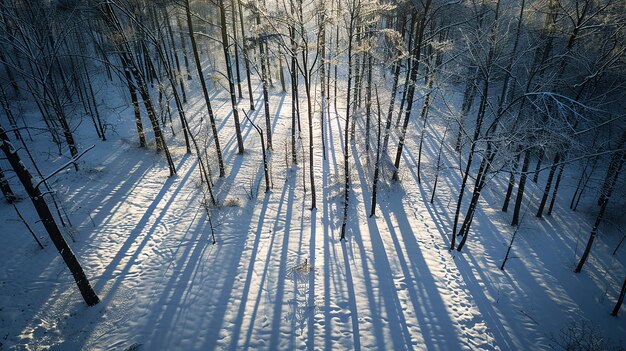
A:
{"points": [[294, 95], [236, 45], [394, 89], [604, 196], [409, 65], [127, 60], [174, 53], [520, 189], [205, 92], [441, 143], [346, 135], [246, 57], [377, 165], [368, 102], [620, 300], [419, 34], [511, 183], [231, 84], [266, 103], [87, 292], [556, 189], [546, 191], [6, 188], [184, 46], [425, 109], [322, 53], [135, 102]]}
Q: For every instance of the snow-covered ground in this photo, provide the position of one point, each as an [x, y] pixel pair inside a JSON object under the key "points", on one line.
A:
{"points": [[278, 277]]}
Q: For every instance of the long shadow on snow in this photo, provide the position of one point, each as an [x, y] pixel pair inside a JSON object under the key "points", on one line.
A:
{"points": [[430, 310], [487, 311], [400, 334], [122, 252]]}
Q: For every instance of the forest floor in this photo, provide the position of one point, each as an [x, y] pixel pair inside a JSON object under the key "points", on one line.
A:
{"points": [[278, 276]]}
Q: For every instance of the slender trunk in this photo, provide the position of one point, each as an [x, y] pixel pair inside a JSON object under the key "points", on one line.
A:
{"points": [[246, 56], [165, 61], [135, 102], [604, 198], [546, 191], [508, 250], [481, 176], [265, 164], [377, 165], [346, 144], [170, 32], [511, 184], [520, 188], [231, 84], [127, 60], [441, 143], [184, 46], [205, 92], [425, 109], [620, 300], [409, 65], [468, 99], [47, 219], [419, 36], [90, 96], [538, 166], [613, 169], [294, 95], [4, 101], [392, 100], [336, 54], [322, 48], [264, 71], [310, 115], [470, 158], [556, 188], [6, 188], [582, 183], [368, 103], [9, 72], [237, 66]]}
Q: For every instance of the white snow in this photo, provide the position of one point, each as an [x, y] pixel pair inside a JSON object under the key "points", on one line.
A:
{"points": [[278, 277]]}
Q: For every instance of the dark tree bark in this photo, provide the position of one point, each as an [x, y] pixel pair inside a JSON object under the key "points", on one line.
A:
{"points": [[604, 197], [394, 89], [265, 165], [135, 102], [546, 191], [520, 189], [377, 164], [620, 300], [246, 57], [87, 292], [184, 46], [229, 74], [322, 53], [419, 37], [511, 183], [6, 188], [409, 65], [205, 92], [236, 45], [263, 58], [112, 22], [556, 189], [346, 136], [170, 33]]}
